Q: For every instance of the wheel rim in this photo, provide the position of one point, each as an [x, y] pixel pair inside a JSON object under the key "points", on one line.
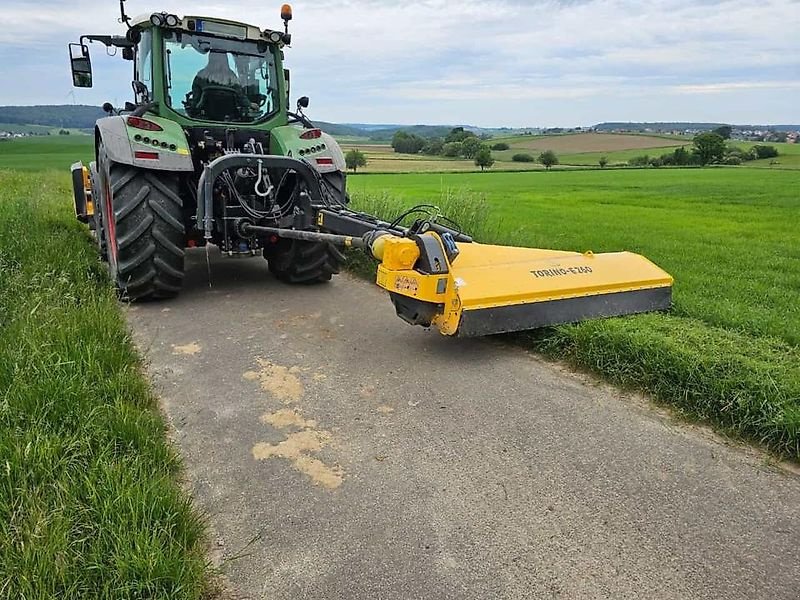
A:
{"points": [[109, 223]]}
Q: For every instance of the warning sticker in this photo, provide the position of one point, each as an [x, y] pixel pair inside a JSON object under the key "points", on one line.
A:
{"points": [[406, 284]]}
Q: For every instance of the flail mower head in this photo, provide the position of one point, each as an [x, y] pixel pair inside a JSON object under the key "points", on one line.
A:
{"points": [[470, 289], [438, 277]]}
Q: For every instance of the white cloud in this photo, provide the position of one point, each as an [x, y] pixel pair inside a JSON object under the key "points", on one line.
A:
{"points": [[732, 86], [410, 61]]}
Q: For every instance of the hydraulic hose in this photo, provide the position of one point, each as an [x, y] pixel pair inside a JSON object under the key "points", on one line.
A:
{"points": [[347, 241]]}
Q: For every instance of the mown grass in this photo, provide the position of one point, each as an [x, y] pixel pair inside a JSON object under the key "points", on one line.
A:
{"points": [[89, 502], [729, 351]]}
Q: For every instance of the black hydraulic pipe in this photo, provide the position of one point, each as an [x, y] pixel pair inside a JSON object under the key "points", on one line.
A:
{"points": [[308, 236], [357, 224], [457, 235]]}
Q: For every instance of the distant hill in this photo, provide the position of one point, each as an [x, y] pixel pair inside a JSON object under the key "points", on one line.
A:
{"points": [[336, 129], [683, 126], [383, 132], [69, 116], [78, 116]]}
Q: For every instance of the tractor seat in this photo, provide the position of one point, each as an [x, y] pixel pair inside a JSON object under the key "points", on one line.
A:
{"points": [[217, 103]]}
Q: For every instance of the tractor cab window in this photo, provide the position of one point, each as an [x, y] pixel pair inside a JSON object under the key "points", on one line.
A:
{"points": [[214, 79]]}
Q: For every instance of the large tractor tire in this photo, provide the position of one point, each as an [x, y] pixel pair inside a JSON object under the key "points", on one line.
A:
{"points": [[334, 184], [142, 218], [296, 261]]}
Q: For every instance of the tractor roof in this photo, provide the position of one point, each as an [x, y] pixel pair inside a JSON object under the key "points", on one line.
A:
{"points": [[207, 25]]}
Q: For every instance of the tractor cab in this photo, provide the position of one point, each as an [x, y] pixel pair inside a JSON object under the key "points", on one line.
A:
{"points": [[216, 71], [199, 70]]}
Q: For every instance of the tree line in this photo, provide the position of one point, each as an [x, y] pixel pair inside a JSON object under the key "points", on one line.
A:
{"points": [[458, 143], [709, 148]]}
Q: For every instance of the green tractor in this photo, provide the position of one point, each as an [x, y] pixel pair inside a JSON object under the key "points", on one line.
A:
{"points": [[208, 150], [209, 153]]}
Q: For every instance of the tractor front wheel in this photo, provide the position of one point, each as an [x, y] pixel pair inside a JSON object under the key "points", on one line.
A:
{"points": [[142, 228], [296, 261]]}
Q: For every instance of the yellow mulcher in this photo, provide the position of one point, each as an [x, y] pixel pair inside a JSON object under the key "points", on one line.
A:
{"points": [[477, 289], [437, 276]]}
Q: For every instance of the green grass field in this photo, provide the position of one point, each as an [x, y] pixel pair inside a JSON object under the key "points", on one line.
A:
{"points": [[51, 152], [90, 505], [34, 154], [573, 150], [729, 351], [789, 157]]}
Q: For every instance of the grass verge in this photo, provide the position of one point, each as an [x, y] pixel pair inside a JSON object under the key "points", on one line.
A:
{"points": [[90, 506], [745, 384]]}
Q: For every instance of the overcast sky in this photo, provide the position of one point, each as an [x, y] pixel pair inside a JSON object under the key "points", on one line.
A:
{"points": [[479, 62]]}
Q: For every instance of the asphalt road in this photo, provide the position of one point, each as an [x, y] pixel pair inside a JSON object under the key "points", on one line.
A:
{"points": [[341, 453]]}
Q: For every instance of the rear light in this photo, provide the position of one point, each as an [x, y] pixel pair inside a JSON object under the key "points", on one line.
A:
{"points": [[140, 123], [311, 134], [146, 155], [325, 161]]}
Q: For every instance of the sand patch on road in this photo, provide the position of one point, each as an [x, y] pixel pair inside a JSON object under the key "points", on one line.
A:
{"points": [[282, 382], [298, 448]]}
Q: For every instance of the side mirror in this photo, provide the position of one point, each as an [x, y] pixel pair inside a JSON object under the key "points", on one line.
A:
{"points": [[303, 102], [81, 65], [134, 35]]}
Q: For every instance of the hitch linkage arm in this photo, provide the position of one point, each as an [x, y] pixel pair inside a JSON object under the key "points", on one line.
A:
{"points": [[341, 226]]}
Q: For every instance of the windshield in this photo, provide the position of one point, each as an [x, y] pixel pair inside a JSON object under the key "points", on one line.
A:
{"points": [[214, 79]]}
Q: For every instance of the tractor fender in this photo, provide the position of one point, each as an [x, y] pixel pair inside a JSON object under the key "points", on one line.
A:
{"points": [[164, 150], [286, 141], [335, 152]]}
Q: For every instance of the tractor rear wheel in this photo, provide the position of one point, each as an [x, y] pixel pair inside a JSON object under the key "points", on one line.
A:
{"points": [[297, 261], [142, 218]]}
